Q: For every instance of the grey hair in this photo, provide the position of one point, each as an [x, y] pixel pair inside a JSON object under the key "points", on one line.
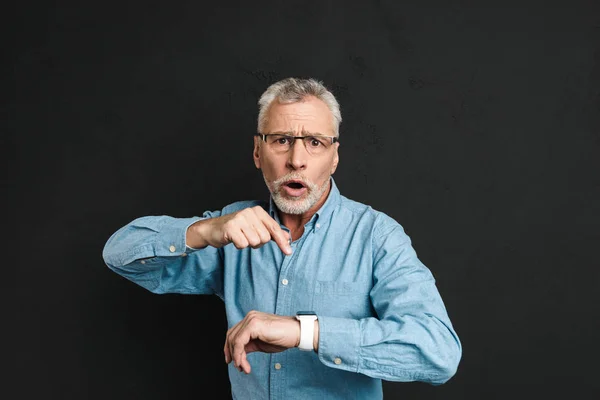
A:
{"points": [[292, 90]]}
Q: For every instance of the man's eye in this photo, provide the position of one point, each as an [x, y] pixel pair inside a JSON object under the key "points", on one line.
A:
{"points": [[314, 142], [283, 140]]}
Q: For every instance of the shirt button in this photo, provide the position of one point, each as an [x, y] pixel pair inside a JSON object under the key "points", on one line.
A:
{"points": [[277, 366], [285, 281], [172, 249], [184, 255], [337, 361], [318, 226], [143, 262]]}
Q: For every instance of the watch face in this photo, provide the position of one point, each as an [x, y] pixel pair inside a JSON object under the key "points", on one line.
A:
{"points": [[305, 313]]}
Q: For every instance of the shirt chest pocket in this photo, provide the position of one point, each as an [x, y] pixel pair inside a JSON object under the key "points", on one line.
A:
{"points": [[342, 299]]}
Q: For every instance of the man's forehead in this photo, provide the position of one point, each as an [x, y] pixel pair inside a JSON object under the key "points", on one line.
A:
{"points": [[309, 116]]}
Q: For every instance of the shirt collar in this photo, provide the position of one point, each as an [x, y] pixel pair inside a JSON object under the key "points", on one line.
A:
{"points": [[322, 213]]}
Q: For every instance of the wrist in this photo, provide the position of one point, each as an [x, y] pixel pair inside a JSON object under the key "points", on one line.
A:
{"points": [[194, 236], [299, 333]]}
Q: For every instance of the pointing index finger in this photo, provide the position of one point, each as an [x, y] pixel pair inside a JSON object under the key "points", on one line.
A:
{"points": [[281, 237]]}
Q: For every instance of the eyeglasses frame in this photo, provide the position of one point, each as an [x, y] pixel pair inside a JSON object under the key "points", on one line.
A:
{"points": [[263, 136]]}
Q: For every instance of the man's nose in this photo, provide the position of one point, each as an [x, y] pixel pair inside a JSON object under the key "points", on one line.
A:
{"points": [[297, 155]]}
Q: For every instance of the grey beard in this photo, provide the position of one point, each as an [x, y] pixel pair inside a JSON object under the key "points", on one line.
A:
{"points": [[295, 207]]}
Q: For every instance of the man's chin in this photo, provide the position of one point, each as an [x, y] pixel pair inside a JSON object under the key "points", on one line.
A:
{"points": [[293, 199], [291, 206], [292, 202]]}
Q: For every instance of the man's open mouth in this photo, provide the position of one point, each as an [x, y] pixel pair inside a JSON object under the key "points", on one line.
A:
{"points": [[295, 185]]}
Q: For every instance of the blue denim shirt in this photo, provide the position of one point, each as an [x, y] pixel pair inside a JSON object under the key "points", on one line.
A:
{"points": [[380, 314]]}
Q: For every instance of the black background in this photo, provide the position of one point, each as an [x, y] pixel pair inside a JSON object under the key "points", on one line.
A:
{"points": [[474, 124]]}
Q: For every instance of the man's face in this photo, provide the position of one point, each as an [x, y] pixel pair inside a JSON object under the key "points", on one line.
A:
{"points": [[296, 179]]}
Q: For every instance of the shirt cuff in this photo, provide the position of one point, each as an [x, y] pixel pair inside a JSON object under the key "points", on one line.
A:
{"points": [[171, 241], [339, 343]]}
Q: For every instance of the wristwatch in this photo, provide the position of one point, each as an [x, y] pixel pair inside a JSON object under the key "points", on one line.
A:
{"points": [[307, 329]]}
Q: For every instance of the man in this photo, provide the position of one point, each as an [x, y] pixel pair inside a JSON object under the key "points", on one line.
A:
{"points": [[307, 270]]}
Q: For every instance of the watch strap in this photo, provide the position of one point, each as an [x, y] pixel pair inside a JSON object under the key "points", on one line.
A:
{"points": [[307, 331]]}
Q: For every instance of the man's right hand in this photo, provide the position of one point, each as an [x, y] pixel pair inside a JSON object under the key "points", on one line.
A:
{"points": [[250, 227]]}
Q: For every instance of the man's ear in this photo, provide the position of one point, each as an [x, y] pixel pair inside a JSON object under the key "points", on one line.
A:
{"points": [[256, 152], [336, 159]]}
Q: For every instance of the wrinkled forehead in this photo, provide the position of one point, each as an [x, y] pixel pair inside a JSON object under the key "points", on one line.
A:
{"points": [[310, 116]]}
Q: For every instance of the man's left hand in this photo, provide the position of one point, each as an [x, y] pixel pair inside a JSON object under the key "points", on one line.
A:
{"points": [[260, 331]]}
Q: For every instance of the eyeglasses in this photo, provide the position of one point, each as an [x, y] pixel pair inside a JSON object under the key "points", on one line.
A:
{"points": [[315, 145]]}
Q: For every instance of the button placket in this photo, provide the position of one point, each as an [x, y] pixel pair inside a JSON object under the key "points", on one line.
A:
{"points": [[282, 300]]}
